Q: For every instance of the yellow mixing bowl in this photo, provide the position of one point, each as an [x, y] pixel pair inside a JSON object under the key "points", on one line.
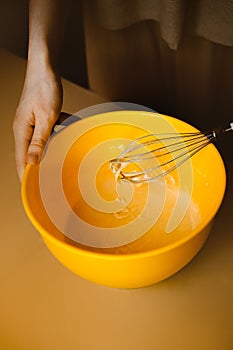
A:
{"points": [[158, 252]]}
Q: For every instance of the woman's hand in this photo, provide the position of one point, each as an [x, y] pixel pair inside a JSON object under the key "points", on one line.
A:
{"points": [[38, 109]]}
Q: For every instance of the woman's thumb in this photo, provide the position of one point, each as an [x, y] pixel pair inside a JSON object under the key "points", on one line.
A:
{"points": [[39, 139]]}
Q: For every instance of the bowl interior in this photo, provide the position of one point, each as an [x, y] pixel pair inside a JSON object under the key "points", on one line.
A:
{"points": [[191, 196]]}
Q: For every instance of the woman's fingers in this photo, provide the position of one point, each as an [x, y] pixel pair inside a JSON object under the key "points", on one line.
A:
{"points": [[40, 136], [22, 134]]}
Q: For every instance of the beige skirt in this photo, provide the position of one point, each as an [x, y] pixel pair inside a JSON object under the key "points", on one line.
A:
{"points": [[135, 64]]}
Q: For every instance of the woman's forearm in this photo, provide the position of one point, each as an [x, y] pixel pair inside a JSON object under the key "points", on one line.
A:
{"points": [[46, 27]]}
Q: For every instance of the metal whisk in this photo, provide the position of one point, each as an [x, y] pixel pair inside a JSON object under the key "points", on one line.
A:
{"points": [[155, 155]]}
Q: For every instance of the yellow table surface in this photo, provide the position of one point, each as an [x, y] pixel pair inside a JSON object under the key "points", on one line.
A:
{"points": [[44, 306]]}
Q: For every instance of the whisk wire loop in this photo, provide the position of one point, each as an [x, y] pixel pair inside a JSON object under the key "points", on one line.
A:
{"points": [[158, 171], [173, 149]]}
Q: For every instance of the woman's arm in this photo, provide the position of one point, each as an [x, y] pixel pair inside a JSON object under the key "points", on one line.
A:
{"points": [[41, 100]]}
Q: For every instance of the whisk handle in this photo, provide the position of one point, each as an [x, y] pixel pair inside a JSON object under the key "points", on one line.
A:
{"points": [[220, 132], [230, 128]]}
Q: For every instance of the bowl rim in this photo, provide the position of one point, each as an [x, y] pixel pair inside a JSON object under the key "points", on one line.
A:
{"points": [[125, 256]]}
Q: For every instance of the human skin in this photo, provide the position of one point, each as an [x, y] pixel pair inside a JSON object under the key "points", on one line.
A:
{"points": [[41, 99]]}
